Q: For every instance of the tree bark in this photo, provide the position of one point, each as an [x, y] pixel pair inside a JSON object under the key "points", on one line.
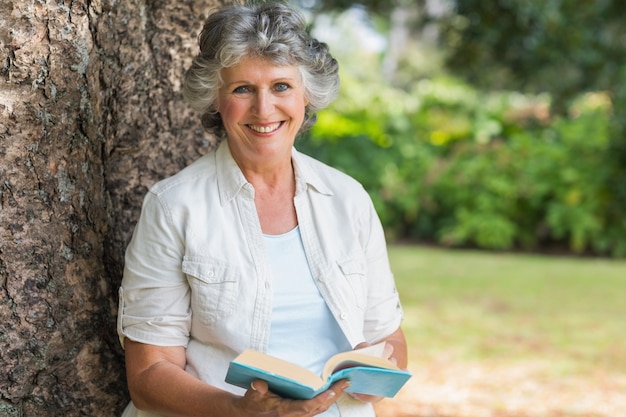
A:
{"points": [[90, 115]]}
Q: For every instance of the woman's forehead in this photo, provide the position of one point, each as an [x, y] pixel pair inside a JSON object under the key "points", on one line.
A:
{"points": [[254, 67]]}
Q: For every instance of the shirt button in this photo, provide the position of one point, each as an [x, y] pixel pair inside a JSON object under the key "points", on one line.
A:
{"points": [[211, 274], [343, 316]]}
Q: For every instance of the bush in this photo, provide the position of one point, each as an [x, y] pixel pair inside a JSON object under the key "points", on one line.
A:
{"points": [[449, 164]]}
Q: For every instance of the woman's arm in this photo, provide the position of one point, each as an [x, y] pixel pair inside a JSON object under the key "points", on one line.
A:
{"points": [[158, 382]]}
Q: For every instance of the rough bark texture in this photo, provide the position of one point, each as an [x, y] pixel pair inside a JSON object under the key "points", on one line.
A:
{"points": [[90, 116]]}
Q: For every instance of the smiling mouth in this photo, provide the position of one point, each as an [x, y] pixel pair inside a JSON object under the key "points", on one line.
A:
{"points": [[266, 128]]}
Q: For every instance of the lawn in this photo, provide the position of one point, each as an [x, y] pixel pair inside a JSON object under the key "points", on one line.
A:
{"points": [[476, 306], [510, 335]]}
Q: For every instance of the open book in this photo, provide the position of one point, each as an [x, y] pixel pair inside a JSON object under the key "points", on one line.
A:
{"points": [[367, 371]]}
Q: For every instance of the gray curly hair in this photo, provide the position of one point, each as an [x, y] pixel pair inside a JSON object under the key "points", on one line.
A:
{"points": [[272, 31]]}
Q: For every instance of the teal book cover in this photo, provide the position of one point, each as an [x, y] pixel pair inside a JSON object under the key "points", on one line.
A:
{"points": [[367, 374]]}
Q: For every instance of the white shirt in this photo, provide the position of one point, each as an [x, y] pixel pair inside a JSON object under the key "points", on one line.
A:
{"points": [[303, 329], [197, 274]]}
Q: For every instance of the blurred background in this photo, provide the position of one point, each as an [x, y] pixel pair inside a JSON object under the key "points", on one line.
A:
{"points": [[496, 125], [492, 139]]}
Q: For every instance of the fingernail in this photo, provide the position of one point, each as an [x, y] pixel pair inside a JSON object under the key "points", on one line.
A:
{"points": [[252, 386]]}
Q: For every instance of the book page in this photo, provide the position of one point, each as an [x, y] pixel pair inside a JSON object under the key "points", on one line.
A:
{"points": [[368, 356], [280, 367]]}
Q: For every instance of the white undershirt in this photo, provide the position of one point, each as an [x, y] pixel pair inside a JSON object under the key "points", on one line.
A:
{"points": [[303, 329]]}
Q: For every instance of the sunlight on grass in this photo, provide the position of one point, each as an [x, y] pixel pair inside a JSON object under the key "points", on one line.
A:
{"points": [[469, 305]]}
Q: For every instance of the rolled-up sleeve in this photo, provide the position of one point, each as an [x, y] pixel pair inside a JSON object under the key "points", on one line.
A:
{"points": [[384, 313], [154, 298]]}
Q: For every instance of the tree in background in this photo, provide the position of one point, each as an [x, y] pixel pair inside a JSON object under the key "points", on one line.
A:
{"points": [[402, 22], [90, 115], [565, 48], [553, 49], [561, 47]]}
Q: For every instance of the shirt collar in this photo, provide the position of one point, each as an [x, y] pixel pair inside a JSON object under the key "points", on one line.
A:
{"points": [[306, 175], [231, 180]]}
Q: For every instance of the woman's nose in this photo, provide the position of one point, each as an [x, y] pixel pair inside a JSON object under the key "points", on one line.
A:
{"points": [[264, 103]]}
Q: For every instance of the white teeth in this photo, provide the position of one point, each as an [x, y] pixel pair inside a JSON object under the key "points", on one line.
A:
{"points": [[265, 129]]}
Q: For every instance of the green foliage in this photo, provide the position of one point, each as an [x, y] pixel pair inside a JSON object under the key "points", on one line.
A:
{"points": [[493, 168], [563, 47], [447, 163], [536, 186]]}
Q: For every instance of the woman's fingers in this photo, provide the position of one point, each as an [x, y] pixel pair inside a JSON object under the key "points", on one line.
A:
{"points": [[259, 399], [259, 386], [327, 398]]}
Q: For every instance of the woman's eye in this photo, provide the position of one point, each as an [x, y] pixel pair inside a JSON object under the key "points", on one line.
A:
{"points": [[242, 89], [282, 87]]}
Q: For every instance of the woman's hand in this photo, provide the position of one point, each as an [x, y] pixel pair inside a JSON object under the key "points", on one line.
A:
{"points": [[387, 354], [259, 401], [158, 383], [395, 351]]}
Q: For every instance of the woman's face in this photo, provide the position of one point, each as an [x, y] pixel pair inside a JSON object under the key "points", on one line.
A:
{"points": [[262, 107]]}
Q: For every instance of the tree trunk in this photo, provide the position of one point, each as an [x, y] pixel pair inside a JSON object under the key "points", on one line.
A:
{"points": [[90, 115]]}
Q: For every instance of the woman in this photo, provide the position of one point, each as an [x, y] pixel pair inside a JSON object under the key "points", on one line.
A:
{"points": [[254, 245]]}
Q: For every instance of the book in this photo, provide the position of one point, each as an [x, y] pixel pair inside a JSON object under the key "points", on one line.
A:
{"points": [[368, 373]]}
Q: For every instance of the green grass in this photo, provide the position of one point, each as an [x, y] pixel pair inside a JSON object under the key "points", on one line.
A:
{"points": [[469, 305]]}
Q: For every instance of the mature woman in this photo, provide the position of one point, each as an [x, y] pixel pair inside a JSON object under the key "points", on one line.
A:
{"points": [[254, 245]]}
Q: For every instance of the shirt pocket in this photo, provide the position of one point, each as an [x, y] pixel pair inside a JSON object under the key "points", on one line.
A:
{"points": [[354, 271], [214, 287]]}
